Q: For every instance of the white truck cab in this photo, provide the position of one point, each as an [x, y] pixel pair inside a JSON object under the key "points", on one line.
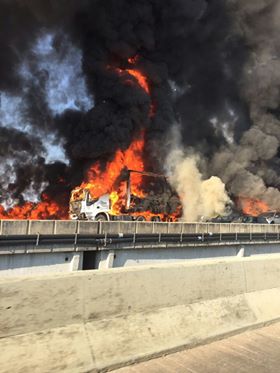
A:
{"points": [[83, 207]]}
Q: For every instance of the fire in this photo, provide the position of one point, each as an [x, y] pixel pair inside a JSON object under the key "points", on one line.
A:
{"points": [[107, 181], [133, 60], [142, 80], [46, 209], [253, 207], [100, 182]]}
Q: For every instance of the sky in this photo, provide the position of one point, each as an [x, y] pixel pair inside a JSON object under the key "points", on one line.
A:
{"points": [[64, 84]]}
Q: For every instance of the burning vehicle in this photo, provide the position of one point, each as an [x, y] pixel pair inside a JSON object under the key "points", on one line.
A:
{"points": [[157, 202], [235, 218], [271, 217]]}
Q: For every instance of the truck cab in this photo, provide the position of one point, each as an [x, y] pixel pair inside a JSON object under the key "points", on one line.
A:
{"points": [[83, 207]]}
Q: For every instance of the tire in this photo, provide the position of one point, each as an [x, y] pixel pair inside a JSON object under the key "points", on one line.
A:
{"points": [[101, 217], [140, 218], [82, 216], [156, 218]]}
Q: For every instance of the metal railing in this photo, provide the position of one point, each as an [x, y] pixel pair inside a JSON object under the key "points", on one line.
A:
{"points": [[81, 242]]}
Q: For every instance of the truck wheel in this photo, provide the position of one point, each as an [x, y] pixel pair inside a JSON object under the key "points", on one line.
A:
{"points": [[82, 216], [101, 217], [140, 218], [156, 218]]}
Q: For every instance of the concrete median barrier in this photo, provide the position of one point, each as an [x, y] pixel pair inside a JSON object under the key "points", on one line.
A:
{"points": [[96, 320], [19, 227]]}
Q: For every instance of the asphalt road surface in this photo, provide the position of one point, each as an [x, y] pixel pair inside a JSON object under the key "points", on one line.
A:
{"points": [[255, 351]]}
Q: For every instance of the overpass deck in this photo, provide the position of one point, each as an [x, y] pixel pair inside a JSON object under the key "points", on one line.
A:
{"points": [[42, 246], [255, 351]]}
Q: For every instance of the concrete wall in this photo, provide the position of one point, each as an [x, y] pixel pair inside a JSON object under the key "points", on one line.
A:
{"points": [[64, 299], [89, 321], [67, 260], [34, 264], [86, 227], [137, 257]]}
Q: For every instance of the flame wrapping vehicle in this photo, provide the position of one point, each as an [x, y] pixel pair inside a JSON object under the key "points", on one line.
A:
{"points": [[160, 203]]}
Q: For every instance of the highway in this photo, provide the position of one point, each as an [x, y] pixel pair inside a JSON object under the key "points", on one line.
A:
{"points": [[255, 351]]}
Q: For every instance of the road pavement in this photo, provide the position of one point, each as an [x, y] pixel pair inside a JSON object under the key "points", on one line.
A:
{"points": [[256, 351]]}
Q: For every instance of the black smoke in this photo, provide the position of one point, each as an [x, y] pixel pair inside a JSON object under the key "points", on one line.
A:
{"points": [[193, 53]]}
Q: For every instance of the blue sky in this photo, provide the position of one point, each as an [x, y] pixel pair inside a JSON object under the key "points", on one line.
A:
{"points": [[65, 89]]}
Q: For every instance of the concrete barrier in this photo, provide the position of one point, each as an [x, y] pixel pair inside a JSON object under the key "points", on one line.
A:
{"points": [[96, 320], [39, 264], [90, 227]]}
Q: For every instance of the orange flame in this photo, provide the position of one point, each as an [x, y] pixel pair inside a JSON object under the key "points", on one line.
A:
{"points": [[142, 80], [100, 181], [251, 206], [140, 77], [42, 210], [133, 60]]}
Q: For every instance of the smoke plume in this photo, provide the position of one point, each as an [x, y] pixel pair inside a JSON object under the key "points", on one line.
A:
{"points": [[68, 100], [201, 198], [250, 167]]}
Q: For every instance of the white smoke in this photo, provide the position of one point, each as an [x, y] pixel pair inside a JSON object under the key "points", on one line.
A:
{"points": [[201, 198]]}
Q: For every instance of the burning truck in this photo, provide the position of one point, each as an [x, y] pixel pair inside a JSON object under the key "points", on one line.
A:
{"points": [[157, 201]]}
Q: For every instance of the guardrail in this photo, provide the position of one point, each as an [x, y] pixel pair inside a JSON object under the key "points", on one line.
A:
{"points": [[10, 244]]}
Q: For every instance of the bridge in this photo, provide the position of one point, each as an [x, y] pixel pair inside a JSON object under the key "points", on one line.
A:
{"points": [[61, 246], [158, 289]]}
